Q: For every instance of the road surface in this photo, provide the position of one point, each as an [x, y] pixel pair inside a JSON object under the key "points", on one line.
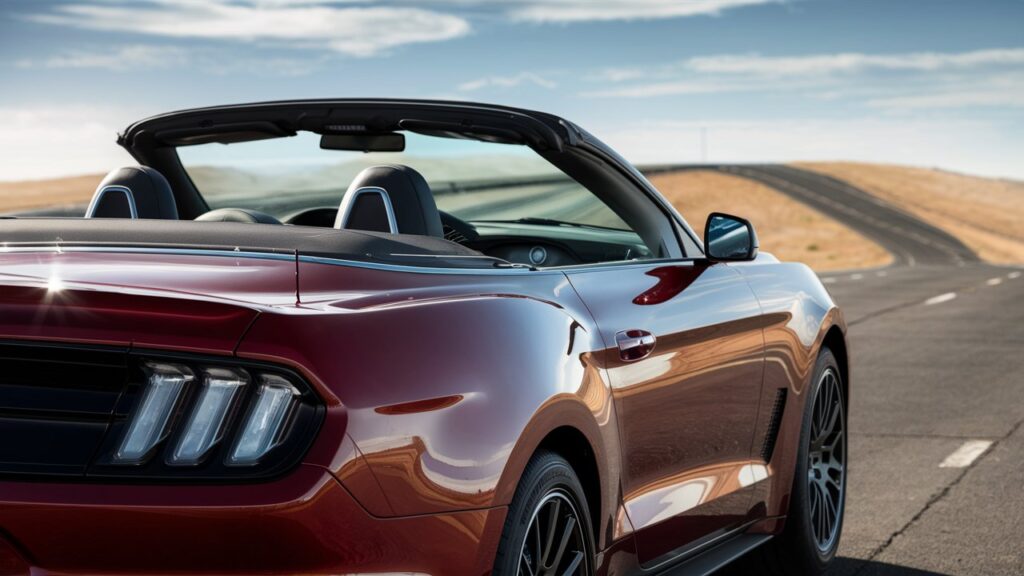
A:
{"points": [[936, 479]]}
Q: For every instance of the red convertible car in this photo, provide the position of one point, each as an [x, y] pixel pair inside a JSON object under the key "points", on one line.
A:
{"points": [[407, 337]]}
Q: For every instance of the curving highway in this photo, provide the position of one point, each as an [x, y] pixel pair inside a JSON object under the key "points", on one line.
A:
{"points": [[936, 484], [911, 241]]}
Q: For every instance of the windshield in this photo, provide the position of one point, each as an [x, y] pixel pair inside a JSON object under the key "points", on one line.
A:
{"points": [[472, 180]]}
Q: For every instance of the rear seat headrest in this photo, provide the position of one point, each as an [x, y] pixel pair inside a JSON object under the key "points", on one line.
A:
{"points": [[133, 192]]}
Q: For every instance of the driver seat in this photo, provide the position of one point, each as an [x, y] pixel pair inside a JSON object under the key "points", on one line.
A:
{"points": [[394, 199]]}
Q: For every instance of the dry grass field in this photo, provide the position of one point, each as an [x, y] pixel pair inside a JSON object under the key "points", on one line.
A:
{"points": [[986, 214], [58, 192], [785, 227]]}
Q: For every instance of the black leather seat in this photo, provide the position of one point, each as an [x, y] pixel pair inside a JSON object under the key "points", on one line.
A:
{"points": [[133, 192], [391, 198]]}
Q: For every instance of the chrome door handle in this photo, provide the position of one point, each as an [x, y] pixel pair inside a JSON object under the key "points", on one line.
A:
{"points": [[635, 344]]}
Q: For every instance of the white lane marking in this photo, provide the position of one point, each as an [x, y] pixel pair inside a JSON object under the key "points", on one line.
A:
{"points": [[994, 281], [828, 280], [940, 298], [966, 454], [1013, 275], [856, 276], [882, 274]]}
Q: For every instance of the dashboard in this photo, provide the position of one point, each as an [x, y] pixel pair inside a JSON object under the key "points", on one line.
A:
{"points": [[540, 245], [547, 245]]}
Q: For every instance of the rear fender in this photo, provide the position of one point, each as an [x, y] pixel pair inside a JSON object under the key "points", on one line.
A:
{"points": [[433, 360]]}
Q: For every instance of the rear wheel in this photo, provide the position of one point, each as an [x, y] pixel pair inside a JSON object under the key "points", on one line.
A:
{"points": [[815, 519], [548, 530]]}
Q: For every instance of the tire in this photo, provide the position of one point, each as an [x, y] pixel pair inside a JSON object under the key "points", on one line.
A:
{"points": [[549, 489], [805, 548]]}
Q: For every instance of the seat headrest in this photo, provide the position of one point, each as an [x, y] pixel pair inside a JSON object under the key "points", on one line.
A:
{"points": [[133, 192], [406, 202]]}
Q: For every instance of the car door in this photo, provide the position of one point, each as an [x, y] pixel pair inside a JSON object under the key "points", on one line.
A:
{"points": [[685, 358]]}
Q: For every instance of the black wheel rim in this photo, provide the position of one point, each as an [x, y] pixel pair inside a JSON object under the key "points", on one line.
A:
{"points": [[555, 543], [826, 467]]}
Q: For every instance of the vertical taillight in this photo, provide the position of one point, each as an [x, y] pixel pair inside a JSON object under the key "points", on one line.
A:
{"points": [[264, 423], [164, 385], [205, 424]]}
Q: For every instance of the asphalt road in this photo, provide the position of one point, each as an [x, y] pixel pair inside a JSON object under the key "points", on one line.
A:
{"points": [[937, 347]]}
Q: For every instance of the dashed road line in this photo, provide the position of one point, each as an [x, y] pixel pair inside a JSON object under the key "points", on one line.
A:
{"points": [[829, 280], [940, 298], [856, 276], [966, 454], [1013, 275], [994, 281]]}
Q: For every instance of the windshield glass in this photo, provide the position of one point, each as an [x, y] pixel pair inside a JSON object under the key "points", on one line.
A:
{"points": [[472, 180]]}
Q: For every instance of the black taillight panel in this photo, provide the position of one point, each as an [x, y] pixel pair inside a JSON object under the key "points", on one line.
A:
{"points": [[67, 412]]}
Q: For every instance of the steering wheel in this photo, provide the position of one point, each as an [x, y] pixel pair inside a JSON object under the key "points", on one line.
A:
{"points": [[457, 230]]}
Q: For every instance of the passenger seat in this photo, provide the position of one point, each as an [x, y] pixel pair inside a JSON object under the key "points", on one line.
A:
{"points": [[392, 198], [133, 192]]}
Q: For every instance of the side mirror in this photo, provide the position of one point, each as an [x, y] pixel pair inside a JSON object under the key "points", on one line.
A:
{"points": [[729, 238]]}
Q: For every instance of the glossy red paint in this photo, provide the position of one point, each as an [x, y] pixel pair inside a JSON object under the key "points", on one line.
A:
{"points": [[190, 303], [438, 388], [304, 523], [686, 412]]}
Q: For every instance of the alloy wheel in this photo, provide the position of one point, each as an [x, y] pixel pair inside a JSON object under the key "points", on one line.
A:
{"points": [[826, 467], [555, 544]]}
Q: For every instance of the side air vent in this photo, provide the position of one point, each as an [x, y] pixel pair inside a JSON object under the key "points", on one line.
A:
{"points": [[768, 447]]}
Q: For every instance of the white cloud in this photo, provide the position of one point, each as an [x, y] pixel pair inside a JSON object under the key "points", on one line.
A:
{"points": [[814, 64], [682, 87], [118, 59], [144, 57], [697, 86], [927, 80], [45, 142], [357, 31], [603, 10], [976, 147], [956, 99], [621, 74], [507, 82]]}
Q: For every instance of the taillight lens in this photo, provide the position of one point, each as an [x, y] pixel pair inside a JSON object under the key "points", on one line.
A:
{"points": [[205, 424], [207, 417], [165, 383], [263, 426]]}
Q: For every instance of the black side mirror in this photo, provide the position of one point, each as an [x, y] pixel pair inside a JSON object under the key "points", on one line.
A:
{"points": [[729, 238]]}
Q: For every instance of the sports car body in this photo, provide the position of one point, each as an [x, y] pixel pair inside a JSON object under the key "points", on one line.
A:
{"points": [[381, 336]]}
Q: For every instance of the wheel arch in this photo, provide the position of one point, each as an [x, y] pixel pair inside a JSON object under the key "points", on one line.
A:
{"points": [[569, 443], [569, 427], [835, 340]]}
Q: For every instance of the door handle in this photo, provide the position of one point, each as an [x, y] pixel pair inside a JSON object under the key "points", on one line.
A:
{"points": [[635, 344]]}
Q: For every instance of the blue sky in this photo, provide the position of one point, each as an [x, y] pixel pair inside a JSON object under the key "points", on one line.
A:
{"points": [[924, 82]]}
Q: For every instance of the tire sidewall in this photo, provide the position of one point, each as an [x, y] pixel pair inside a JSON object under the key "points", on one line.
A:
{"points": [[799, 521], [546, 473]]}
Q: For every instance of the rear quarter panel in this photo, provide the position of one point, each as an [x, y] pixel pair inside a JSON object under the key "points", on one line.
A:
{"points": [[444, 383]]}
